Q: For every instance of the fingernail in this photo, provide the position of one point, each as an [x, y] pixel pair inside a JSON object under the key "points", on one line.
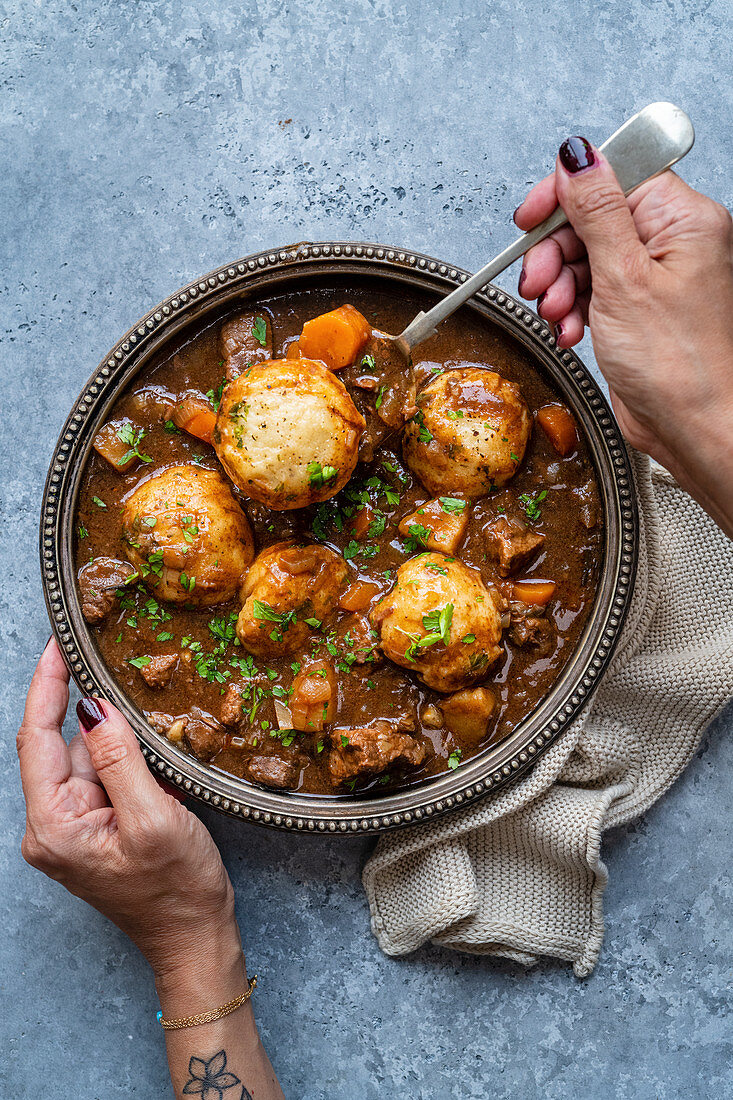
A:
{"points": [[48, 643], [576, 154], [522, 279], [559, 329], [90, 713], [540, 300], [514, 215]]}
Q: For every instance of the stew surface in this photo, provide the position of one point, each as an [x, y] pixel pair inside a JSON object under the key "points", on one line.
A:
{"points": [[274, 637]]}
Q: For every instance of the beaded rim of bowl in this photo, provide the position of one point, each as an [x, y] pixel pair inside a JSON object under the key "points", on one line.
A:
{"points": [[498, 764]]}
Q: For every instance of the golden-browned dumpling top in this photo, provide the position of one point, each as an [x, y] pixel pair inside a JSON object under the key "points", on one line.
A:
{"points": [[470, 432], [187, 537], [439, 620], [287, 585], [287, 433]]}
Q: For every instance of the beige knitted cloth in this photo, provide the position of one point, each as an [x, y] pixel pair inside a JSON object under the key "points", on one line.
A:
{"points": [[519, 873]]}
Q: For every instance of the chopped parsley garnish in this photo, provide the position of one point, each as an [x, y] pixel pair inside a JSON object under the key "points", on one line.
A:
{"points": [[259, 331], [424, 435], [133, 440], [531, 504], [468, 639], [344, 740], [419, 536], [376, 527], [452, 505], [140, 662], [187, 583], [319, 475], [82, 531], [455, 414], [380, 395], [170, 427], [454, 759], [99, 503], [214, 396], [437, 623], [153, 565], [514, 458], [368, 362]]}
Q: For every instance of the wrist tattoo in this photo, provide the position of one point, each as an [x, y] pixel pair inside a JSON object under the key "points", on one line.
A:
{"points": [[210, 1080]]}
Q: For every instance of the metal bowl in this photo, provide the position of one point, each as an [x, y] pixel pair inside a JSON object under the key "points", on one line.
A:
{"points": [[495, 766]]}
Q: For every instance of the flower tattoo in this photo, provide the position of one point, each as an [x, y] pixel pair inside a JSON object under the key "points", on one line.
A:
{"points": [[210, 1080]]}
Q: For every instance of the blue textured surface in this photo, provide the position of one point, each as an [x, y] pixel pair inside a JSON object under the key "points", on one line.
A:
{"points": [[146, 143]]}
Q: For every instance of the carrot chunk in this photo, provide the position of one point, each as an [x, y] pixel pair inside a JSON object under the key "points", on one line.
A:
{"points": [[336, 338], [195, 416], [558, 424], [534, 591]]}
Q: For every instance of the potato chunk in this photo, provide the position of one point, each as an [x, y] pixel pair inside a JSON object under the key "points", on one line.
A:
{"points": [[441, 524], [466, 714]]}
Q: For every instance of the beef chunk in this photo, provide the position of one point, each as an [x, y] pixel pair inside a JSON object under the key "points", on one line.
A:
{"points": [[239, 345], [358, 753], [531, 631], [204, 734], [231, 706], [272, 771], [514, 544], [158, 673], [99, 580]]}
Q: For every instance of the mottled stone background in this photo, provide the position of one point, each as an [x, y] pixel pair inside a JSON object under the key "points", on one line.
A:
{"points": [[144, 143]]}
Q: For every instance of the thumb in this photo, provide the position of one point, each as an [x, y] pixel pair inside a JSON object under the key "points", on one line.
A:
{"points": [[596, 207], [118, 761]]}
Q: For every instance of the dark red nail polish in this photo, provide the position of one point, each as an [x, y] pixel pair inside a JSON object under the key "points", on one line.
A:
{"points": [[576, 154], [522, 279], [90, 713]]}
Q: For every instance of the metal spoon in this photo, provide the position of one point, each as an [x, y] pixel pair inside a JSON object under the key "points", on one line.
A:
{"points": [[644, 147]]}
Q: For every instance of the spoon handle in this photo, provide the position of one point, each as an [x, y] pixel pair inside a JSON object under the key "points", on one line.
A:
{"points": [[645, 146]]}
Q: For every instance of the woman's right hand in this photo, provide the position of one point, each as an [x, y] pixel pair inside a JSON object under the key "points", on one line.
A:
{"points": [[652, 274]]}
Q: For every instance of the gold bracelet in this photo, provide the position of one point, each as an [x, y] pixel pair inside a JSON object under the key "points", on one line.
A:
{"points": [[208, 1017]]}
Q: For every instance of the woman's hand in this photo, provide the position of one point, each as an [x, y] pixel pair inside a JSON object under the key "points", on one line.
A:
{"points": [[99, 823], [653, 277]]}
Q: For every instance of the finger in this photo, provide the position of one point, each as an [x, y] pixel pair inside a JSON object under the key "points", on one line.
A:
{"points": [[544, 259], [81, 764], [542, 265], [116, 758], [538, 205], [45, 762], [596, 207], [570, 330], [559, 298]]}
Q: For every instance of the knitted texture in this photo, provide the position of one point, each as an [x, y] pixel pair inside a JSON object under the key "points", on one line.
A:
{"points": [[519, 873]]}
